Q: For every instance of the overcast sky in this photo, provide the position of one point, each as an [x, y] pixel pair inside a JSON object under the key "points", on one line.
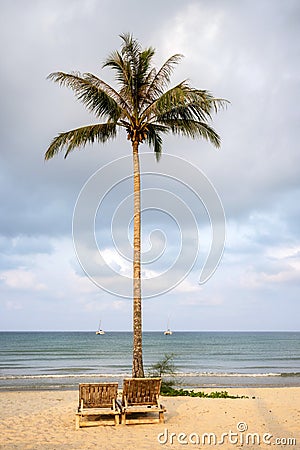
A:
{"points": [[246, 51]]}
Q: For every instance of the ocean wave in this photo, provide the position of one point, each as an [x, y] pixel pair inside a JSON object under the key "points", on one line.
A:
{"points": [[225, 374], [128, 375], [33, 377]]}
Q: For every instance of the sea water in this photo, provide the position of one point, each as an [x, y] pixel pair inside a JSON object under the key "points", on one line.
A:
{"points": [[61, 360]]}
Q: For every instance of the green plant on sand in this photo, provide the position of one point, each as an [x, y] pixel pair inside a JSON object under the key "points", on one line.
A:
{"points": [[165, 369], [171, 392]]}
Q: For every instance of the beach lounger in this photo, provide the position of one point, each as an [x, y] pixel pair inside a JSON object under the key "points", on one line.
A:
{"points": [[97, 403], [140, 401]]}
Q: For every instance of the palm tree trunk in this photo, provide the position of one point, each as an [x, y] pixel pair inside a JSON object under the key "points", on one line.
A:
{"points": [[137, 364]]}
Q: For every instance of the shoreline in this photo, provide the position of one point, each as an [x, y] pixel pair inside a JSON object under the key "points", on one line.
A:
{"points": [[46, 420], [184, 387], [12, 384]]}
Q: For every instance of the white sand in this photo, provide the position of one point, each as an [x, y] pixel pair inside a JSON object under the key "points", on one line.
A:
{"points": [[46, 420]]}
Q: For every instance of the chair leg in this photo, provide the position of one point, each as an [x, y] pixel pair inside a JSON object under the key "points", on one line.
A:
{"points": [[77, 425], [117, 419], [161, 417], [123, 420]]}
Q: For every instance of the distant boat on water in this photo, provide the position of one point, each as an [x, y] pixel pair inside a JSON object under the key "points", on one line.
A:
{"points": [[100, 331], [168, 331]]}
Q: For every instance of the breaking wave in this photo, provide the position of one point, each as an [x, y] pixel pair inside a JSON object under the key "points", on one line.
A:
{"points": [[124, 375]]}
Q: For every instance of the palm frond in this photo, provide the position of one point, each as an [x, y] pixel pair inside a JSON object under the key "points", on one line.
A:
{"points": [[80, 137], [142, 73], [154, 138], [117, 63], [219, 103], [142, 103], [93, 96], [125, 62], [131, 51], [123, 76], [193, 129], [132, 66], [145, 64], [109, 90], [205, 100], [162, 78], [184, 103], [162, 103]]}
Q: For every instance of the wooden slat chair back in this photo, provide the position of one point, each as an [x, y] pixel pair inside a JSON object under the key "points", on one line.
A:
{"points": [[141, 391], [97, 399], [98, 395], [140, 398]]}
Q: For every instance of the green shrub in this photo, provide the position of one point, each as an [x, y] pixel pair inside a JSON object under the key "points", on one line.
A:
{"points": [[166, 370], [171, 392]]}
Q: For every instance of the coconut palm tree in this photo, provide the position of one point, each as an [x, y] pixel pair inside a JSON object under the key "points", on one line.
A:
{"points": [[147, 109]]}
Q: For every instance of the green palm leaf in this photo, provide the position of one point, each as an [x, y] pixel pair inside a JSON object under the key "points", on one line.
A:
{"points": [[81, 137], [161, 79], [91, 95], [142, 104], [193, 129], [154, 138]]}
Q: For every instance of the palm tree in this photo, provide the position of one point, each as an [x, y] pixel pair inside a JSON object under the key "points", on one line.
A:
{"points": [[144, 106]]}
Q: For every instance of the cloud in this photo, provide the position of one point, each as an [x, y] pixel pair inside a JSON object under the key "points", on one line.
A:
{"points": [[243, 51], [21, 279]]}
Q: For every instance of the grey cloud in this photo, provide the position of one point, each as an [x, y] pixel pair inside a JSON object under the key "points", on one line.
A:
{"points": [[244, 51]]}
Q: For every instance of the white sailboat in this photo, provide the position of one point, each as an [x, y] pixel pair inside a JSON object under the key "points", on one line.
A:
{"points": [[168, 331], [100, 331]]}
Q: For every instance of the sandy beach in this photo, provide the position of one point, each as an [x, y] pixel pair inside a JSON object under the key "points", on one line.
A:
{"points": [[46, 420]]}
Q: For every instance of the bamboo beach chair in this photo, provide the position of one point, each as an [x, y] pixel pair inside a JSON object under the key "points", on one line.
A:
{"points": [[140, 401], [97, 400]]}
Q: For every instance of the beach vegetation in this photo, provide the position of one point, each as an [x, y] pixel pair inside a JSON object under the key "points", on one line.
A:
{"points": [[165, 366], [171, 392], [166, 370], [145, 106]]}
